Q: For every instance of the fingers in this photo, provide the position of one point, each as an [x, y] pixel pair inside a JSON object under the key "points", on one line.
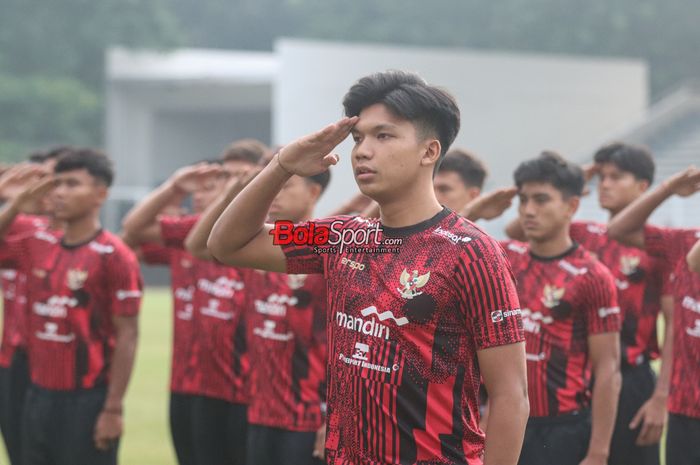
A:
{"points": [[637, 419]]}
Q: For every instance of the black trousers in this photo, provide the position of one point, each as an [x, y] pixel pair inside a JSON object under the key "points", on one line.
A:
{"points": [[219, 432], [683, 440], [181, 408], [638, 385], [58, 428], [14, 382], [274, 446], [556, 441]]}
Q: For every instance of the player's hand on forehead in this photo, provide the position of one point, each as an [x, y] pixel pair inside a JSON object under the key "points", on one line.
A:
{"points": [[685, 183], [191, 178], [29, 200], [491, 205], [312, 154], [17, 177]]}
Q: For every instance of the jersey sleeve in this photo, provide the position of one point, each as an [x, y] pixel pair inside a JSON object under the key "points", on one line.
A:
{"points": [[14, 251], [487, 295], [309, 257], [578, 230], [124, 285], [175, 229], [599, 296], [155, 254]]}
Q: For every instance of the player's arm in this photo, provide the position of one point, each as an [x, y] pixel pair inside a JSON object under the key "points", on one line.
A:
{"points": [[604, 351], [489, 206], [693, 258], [503, 370], [27, 201], [109, 424], [240, 236], [196, 242], [653, 413], [141, 223], [627, 226]]}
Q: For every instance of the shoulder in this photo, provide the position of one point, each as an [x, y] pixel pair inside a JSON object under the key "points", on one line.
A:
{"points": [[583, 263], [109, 244]]}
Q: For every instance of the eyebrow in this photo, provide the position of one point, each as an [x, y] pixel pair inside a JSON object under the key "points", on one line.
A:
{"points": [[377, 128]]}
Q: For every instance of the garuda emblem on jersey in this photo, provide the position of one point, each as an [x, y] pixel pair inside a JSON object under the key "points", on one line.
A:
{"points": [[75, 279], [552, 295], [629, 264], [296, 281], [411, 283]]}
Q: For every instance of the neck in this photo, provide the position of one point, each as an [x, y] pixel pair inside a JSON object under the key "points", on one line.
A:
{"points": [[81, 229], [411, 207], [553, 246]]}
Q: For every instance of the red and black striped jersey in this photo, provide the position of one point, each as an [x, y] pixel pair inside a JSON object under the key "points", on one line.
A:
{"points": [[174, 230], [288, 352], [564, 299], [14, 294], [209, 347], [672, 245], [407, 313], [73, 294], [638, 278]]}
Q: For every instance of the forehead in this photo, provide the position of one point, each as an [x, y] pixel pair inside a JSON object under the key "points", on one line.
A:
{"points": [[450, 178], [236, 166], [378, 116], [538, 188], [612, 168], [79, 174]]}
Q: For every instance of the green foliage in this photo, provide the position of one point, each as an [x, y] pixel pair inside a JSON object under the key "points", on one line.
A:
{"points": [[52, 65]]}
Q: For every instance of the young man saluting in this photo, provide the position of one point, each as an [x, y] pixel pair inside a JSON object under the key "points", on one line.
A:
{"points": [[443, 307]]}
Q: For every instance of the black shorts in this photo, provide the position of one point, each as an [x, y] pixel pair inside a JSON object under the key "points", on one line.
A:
{"points": [[58, 428], [638, 385], [275, 446], [219, 431], [559, 440], [14, 382], [683, 440]]}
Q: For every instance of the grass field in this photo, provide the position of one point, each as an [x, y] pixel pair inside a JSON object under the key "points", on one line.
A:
{"points": [[147, 440]]}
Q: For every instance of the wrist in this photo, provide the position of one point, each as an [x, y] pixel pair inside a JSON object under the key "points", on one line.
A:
{"points": [[280, 166], [660, 396], [113, 411]]}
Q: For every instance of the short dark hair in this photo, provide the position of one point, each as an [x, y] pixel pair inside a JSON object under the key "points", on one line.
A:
{"points": [[249, 150], [93, 161], [38, 156], [551, 168], [322, 179], [635, 159], [408, 96], [467, 165]]}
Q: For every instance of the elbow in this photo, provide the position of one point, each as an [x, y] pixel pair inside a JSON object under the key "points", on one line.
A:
{"points": [[215, 246]]}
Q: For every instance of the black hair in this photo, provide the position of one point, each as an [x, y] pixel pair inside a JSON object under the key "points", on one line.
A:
{"points": [[93, 161], [38, 157], [551, 168], [408, 96], [322, 179], [468, 166], [57, 151], [634, 159]]}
